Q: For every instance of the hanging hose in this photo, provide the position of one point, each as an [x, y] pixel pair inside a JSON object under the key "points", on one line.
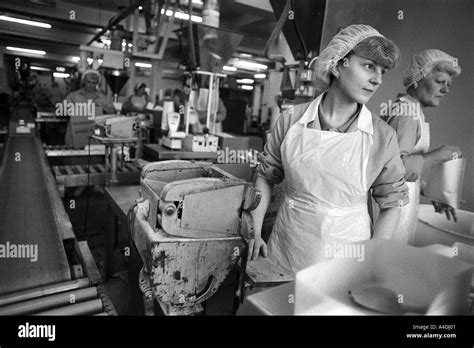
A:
{"points": [[298, 33], [131, 221]]}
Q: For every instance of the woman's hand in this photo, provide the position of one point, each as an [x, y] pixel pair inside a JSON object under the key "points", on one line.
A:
{"points": [[445, 153], [445, 208], [254, 248]]}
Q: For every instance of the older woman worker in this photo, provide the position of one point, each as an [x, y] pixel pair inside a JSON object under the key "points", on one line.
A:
{"points": [[89, 92], [427, 81], [332, 152]]}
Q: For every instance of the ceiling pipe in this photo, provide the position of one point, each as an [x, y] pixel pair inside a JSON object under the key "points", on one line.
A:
{"points": [[115, 20]]}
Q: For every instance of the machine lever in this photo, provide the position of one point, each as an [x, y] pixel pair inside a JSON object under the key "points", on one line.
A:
{"points": [[204, 293]]}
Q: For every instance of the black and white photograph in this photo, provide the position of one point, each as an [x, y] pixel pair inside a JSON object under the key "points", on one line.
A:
{"points": [[250, 172]]}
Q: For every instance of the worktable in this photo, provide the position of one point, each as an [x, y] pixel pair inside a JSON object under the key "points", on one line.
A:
{"points": [[157, 152], [278, 300], [119, 200]]}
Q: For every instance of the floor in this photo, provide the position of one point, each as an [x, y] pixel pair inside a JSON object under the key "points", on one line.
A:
{"points": [[117, 286]]}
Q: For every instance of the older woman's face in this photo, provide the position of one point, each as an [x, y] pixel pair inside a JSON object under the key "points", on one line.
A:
{"points": [[360, 78], [90, 82], [141, 91], [433, 88]]}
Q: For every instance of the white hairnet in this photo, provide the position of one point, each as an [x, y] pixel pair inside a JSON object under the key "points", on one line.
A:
{"points": [[90, 71], [379, 49], [425, 61]]}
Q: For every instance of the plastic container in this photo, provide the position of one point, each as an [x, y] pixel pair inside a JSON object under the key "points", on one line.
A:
{"points": [[419, 277], [435, 228]]}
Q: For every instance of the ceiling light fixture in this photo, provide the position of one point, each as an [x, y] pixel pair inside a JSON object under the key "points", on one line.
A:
{"points": [[39, 68], [26, 50], [244, 64], [245, 55], [229, 68], [143, 65], [75, 59], [25, 21], [246, 81], [260, 76], [60, 75], [247, 87], [182, 15]]}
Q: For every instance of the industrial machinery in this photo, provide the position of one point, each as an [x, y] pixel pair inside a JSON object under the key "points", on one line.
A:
{"points": [[206, 140], [44, 270], [190, 229], [116, 126], [171, 138]]}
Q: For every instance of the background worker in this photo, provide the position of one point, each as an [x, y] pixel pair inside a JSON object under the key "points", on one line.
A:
{"points": [[427, 80], [138, 101]]}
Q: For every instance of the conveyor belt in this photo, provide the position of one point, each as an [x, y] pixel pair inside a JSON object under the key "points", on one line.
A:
{"points": [[27, 218]]}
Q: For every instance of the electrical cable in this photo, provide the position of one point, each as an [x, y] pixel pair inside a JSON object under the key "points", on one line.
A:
{"points": [[87, 187]]}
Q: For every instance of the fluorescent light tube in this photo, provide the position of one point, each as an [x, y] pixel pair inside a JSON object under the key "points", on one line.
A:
{"points": [[243, 64], [182, 15], [229, 68], [60, 75], [25, 21], [246, 81], [25, 50], [247, 87], [143, 65], [39, 68]]}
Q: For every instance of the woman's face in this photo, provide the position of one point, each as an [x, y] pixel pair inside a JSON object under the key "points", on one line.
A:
{"points": [[90, 82], [359, 78], [141, 92], [433, 88]]}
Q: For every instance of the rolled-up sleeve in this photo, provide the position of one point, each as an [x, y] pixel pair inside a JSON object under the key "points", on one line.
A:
{"points": [[407, 129], [389, 189], [270, 165]]}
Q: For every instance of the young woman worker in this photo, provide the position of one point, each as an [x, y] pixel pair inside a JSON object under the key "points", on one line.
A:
{"points": [[332, 152]]}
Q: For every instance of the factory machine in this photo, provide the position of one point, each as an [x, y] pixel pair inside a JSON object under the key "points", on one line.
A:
{"points": [[190, 229], [44, 269]]}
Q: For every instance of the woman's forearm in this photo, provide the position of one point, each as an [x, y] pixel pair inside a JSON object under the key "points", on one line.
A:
{"points": [[387, 223], [258, 214]]}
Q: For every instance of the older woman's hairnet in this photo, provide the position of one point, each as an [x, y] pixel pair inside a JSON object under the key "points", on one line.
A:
{"points": [[424, 62], [90, 71], [363, 40]]}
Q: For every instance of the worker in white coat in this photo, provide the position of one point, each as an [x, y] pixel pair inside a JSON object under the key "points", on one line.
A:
{"points": [[333, 152], [427, 80]]}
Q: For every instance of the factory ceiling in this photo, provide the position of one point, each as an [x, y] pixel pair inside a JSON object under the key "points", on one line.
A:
{"points": [[75, 22]]}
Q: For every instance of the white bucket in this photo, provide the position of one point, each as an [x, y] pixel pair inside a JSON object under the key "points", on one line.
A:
{"points": [[435, 228]]}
